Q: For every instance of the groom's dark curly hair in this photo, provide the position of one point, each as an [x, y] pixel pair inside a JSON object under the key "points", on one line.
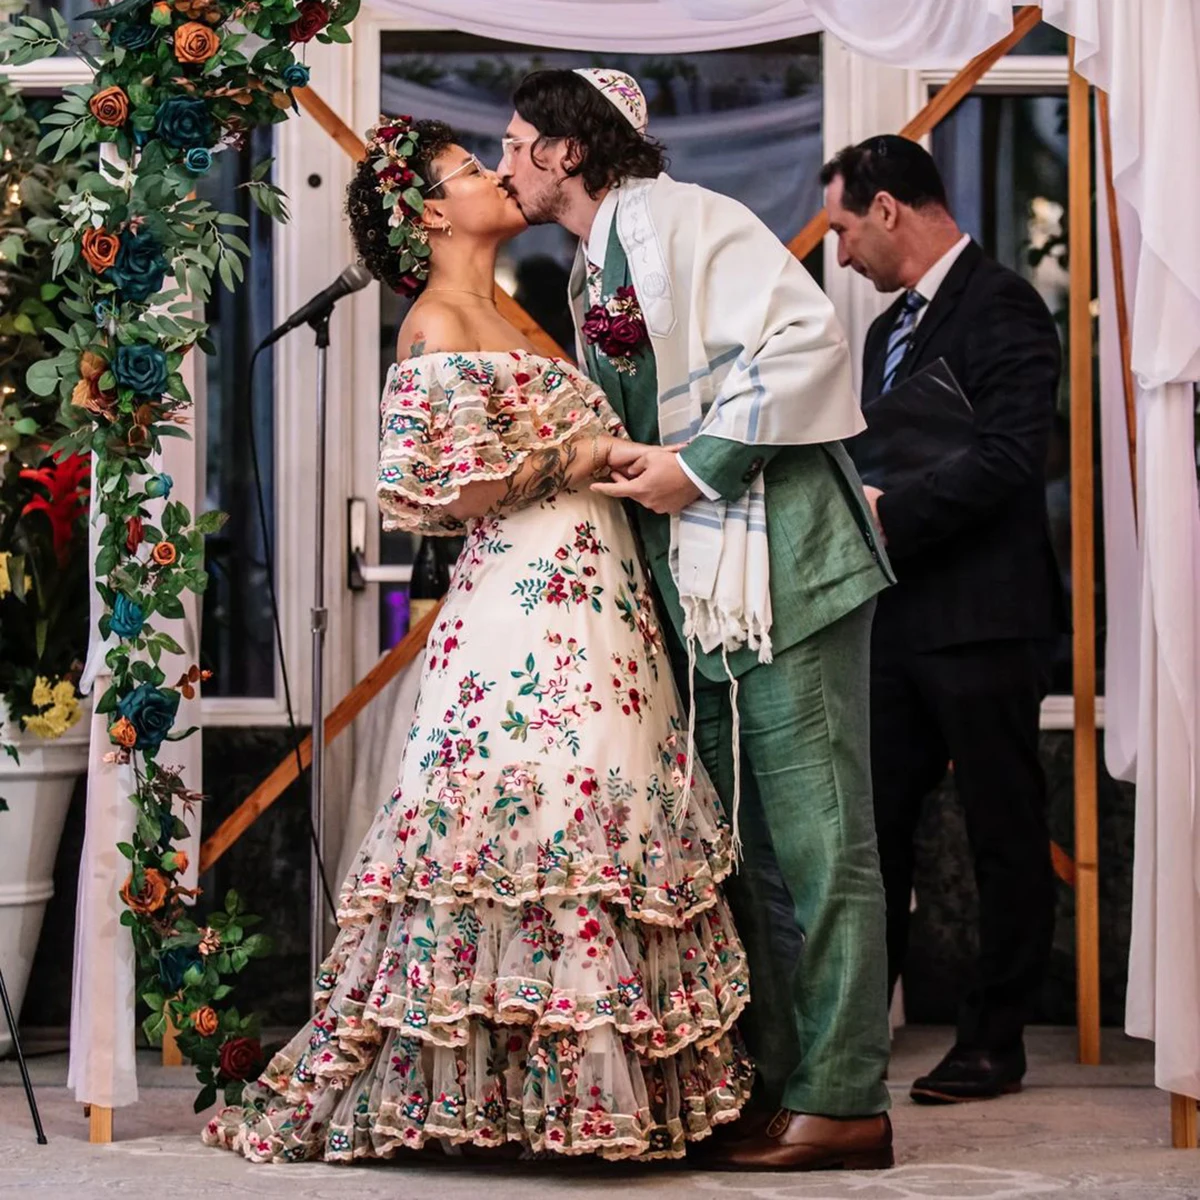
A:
{"points": [[561, 104]]}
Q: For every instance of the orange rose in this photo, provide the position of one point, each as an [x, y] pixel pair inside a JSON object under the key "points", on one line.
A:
{"points": [[99, 249], [92, 366], [152, 896], [163, 554], [204, 1021], [175, 860], [195, 43], [110, 107], [123, 733]]}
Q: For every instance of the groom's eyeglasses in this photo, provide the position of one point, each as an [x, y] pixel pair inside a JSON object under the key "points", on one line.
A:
{"points": [[472, 164], [509, 144]]}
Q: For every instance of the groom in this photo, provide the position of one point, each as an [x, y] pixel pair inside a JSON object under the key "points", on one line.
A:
{"points": [[727, 366]]}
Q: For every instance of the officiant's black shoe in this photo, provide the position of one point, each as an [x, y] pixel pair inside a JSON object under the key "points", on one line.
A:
{"points": [[971, 1075]]}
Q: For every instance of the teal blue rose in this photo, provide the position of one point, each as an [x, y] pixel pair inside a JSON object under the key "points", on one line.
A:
{"points": [[128, 617], [198, 160], [142, 368], [151, 711], [131, 35], [296, 75], [140, 267], [159, 486], [185, 122], [174, 963]]}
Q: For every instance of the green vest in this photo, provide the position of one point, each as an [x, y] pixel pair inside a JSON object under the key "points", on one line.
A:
{"points": [[824, 556]]}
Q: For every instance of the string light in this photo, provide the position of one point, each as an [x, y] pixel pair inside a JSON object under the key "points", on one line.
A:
{"points": [[14, 194]]}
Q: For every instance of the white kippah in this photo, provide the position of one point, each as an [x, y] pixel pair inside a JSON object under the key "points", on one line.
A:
{"points": [[621, 91]]}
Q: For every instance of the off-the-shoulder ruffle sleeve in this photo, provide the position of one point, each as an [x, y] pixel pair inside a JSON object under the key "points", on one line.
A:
{"points": [[453, 419]]}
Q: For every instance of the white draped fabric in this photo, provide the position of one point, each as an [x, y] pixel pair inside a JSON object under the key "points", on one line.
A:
{"points": [[102, 1066], [1147, 56], [910, 33]]}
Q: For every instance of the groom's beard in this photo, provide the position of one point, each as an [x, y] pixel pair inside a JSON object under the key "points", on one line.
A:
{"points": [[545, 208]]}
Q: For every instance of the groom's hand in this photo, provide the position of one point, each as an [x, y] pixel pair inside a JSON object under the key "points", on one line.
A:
{"points": [[652, 477]]}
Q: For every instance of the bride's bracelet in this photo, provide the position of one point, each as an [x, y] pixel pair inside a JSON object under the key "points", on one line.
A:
{"points": [[599, 465]]}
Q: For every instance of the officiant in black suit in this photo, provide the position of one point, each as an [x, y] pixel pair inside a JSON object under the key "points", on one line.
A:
{"points": [[962, 644]]}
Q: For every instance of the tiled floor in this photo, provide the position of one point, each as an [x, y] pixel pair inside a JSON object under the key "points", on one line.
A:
{"points": [[1075, 1131]]}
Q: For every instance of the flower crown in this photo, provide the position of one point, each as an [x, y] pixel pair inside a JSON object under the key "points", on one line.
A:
{"points": [[390, 145]]}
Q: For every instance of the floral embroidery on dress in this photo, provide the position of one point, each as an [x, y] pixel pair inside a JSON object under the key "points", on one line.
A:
{"points": [[531, 948]]}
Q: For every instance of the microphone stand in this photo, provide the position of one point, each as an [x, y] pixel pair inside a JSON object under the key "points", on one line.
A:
{"points": [[320, 615]]}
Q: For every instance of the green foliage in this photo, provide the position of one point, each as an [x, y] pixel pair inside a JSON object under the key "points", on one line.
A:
{"points": [[131, 253]]}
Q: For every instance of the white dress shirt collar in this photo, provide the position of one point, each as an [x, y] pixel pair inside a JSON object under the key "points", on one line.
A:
{"points": [[596, 243], [933, 279]]}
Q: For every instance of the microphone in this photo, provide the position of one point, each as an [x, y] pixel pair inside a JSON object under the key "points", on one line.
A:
{"points": [[352, 279]]}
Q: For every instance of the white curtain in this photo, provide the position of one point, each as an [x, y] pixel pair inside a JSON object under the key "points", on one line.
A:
{"points": [[908, 33], [1147, 56]]}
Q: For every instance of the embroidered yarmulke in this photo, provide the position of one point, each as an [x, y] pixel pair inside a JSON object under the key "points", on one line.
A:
{"points": [[620, 90]]}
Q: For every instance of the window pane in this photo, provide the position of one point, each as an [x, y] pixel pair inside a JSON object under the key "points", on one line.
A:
{"points": [[1004, 159], [238, 639], [745, 122]]}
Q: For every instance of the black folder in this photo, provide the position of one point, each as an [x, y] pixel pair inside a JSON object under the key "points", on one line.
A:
{"points": [[918, 423]]}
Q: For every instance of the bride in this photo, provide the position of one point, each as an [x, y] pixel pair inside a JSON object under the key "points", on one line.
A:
{"points": [[533, 943]]}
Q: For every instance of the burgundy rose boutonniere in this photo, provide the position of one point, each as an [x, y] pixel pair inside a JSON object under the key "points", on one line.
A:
{"points": [[617, 329]]}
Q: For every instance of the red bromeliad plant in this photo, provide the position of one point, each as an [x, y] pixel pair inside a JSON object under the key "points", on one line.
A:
{"points": [[176, 82]]}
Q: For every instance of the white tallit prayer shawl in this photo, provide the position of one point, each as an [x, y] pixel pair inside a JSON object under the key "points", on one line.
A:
{"points": [[746, 347]]}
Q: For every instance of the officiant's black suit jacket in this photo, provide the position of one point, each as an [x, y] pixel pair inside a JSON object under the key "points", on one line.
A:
{"points": [[969, 540]]}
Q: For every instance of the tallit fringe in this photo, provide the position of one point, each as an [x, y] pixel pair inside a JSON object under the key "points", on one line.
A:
{"points": [[712, 625]]}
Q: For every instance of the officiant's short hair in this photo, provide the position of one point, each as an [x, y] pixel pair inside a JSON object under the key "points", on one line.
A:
{"points": [[561, 104], [887, 163]]}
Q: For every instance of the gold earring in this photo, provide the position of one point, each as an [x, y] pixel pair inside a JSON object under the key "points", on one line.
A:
{"points": [[448, 229]]}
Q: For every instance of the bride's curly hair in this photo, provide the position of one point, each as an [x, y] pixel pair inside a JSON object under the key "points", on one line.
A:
{"points": [[368, 216], [560, 104]]}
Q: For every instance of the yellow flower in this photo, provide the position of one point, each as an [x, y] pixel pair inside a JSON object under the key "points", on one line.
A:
{"points": [[42, 695], [64, 692], [5, 582]]}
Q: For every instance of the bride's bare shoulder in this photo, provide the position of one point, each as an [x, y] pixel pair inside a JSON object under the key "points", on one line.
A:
{"points": [[433, 326]]}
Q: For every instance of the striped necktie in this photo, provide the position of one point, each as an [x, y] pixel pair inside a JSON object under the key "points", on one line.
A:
{"points": [[900, 338]]}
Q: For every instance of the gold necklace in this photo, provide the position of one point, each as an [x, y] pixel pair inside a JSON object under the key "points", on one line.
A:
{"points": [[462, 291]]}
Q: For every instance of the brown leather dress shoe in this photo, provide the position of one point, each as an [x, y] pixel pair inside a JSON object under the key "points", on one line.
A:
{"points": [[805, 1142]]}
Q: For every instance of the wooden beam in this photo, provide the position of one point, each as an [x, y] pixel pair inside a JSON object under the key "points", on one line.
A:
{"points": [[1183, 1122], [172, 1056], [1083, 566], [287, 771], [100, 1123], [1124, 337], [354, 146], [940, 105]]}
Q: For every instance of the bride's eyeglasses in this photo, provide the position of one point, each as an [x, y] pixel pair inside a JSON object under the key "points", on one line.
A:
{"points": [[471, 164]]}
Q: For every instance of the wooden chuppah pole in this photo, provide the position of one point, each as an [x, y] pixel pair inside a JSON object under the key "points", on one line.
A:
{"points": [[1083, 566], [353, 145], [938, 107]]}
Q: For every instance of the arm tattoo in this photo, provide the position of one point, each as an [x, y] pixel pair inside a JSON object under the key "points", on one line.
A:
{"points": [[540, 478], [418, 345]]}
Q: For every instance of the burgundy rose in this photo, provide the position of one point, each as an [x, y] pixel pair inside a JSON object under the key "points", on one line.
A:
{"points": [[409, 285], [626, 331], [314, 16], [387, 133], [596, 323], [240, 1058]]}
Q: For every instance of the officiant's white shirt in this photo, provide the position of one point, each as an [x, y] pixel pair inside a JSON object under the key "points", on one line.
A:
{"points": [[596, 249], [933, 279]]}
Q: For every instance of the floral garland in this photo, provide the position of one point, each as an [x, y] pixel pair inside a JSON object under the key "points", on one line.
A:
{"points": [[390, 145], [175, 82]]}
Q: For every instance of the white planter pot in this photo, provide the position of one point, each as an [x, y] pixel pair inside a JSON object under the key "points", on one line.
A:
{"points": [[38, 791]]}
